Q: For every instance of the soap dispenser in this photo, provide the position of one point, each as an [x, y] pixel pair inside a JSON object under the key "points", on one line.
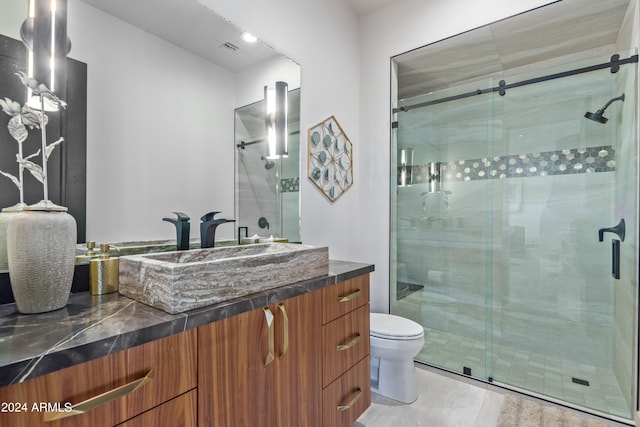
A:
{"points": [[104, 273], [89, 254]]}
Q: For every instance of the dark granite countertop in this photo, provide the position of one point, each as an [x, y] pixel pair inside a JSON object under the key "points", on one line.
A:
{"points": [[90, 326]]}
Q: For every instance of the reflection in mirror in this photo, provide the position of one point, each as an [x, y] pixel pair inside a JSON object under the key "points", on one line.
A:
{"points": [[267, 191], [163, 80]]}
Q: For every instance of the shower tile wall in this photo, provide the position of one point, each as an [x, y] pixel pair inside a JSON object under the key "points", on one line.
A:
{"points": [[559, 162]]}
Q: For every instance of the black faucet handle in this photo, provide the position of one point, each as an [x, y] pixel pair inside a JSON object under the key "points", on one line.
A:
{"points": [[182, 216], [209, 216], [183, 229]]}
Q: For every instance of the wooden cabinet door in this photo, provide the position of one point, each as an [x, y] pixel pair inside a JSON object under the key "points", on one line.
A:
{"points": [[239, 384], [298, 370], [233, 385], [172, 359]]}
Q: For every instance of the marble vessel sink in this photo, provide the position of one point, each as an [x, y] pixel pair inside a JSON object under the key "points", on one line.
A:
{"points": [[179, 281]]}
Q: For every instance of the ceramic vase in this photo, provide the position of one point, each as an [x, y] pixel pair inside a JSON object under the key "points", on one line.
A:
{"points": [[4, 223], [41, 255]]}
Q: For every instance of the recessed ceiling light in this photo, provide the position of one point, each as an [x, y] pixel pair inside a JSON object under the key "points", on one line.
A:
{"points": [[249, 38]]}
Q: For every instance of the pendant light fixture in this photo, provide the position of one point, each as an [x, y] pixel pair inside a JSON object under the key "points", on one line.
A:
{"points": [[276, 119], [44, 33], [406, 166]]}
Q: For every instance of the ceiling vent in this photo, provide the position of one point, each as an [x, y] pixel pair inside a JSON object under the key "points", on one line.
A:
{"points": [[229, 46]]}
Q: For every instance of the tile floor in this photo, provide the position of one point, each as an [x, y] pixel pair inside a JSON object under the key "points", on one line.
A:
{"points": [[445, 400], [535, 372]]}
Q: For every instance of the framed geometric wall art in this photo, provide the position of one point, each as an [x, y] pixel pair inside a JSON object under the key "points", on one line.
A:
{"points": [[330, 165]]}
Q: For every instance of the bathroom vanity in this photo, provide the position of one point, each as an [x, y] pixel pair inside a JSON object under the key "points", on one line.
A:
{"points": [[293, 355]]}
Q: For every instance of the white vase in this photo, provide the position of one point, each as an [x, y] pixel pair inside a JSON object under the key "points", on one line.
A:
{"points": [[4, 223], [41, 255]]}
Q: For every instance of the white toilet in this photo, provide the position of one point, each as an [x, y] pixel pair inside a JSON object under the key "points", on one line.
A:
{"points": [[395, 341]]}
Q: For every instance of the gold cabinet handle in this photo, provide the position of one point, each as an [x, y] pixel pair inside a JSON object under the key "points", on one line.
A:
{"points": [[352, 402], [347, 346], [270, 351], [99, 400], [285, 330], [345, 298]]}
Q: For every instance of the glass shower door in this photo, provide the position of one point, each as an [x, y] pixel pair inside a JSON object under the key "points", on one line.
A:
{"points": [[497, 205], [563, 326], [443, 239]]}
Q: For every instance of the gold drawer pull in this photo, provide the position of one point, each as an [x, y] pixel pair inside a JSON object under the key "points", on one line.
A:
{"points": [[270, 351], [99, 400], [352, 402], [347, 346], [349, 297], [285, 332]]}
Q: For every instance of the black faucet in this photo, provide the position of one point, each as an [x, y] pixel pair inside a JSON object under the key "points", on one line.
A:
{"points": [[183, 228], [208, 228]]}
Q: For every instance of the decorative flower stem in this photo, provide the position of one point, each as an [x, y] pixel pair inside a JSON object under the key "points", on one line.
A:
{"points": [[21, 173]]}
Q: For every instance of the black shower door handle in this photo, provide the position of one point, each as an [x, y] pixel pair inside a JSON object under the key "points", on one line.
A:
{"points": [[618, 230], [615, 258]]}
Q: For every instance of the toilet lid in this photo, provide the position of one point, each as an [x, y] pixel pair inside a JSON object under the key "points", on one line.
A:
{"points": [[391, 326]]}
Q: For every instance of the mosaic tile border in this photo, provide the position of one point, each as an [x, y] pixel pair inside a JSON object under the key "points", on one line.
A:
{"points": [[290, 185], [560, 162]]}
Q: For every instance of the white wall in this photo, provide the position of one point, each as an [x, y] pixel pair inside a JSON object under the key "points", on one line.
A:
{"points": [[159, 131], [12, 14], [322, 36]]}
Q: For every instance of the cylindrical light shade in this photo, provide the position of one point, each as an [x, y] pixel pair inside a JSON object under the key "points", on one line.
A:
{"points": [[44, 33], [405, 159], [433, 172], [276, 113]]}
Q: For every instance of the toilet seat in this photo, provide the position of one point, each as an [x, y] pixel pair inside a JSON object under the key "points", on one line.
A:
{"points": [[392, 327]]}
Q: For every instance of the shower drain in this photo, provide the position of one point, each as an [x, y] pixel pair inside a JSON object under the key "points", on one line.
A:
{"points": [[580, 381]]}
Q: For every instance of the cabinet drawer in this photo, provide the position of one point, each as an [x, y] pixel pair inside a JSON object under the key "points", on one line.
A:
{"points": [[348, 397], [345, 341], [172, 359], [344, 297], [178, 412]]}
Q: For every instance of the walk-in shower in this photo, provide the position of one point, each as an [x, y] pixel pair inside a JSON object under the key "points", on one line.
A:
{"points": [[506, 242]]}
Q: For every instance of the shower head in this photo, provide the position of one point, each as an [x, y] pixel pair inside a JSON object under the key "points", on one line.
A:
{"points": [[598, 115], [268, 164]]}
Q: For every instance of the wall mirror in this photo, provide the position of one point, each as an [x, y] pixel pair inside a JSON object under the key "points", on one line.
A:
{"points": [[163, 81]]}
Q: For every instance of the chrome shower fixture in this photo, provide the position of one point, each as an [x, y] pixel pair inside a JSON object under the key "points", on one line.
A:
{"points": [[268, 164], [598, 115]]}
